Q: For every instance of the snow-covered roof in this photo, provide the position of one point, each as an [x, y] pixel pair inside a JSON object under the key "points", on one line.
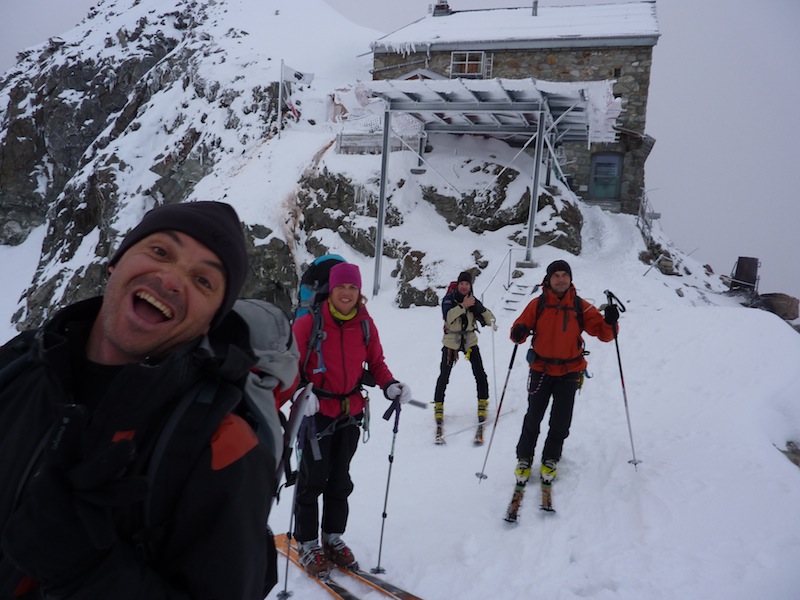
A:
{"points": [[577, 111], [629, 23]]}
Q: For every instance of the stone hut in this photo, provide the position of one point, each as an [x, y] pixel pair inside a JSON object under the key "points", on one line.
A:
{"points": [[564, 44]]}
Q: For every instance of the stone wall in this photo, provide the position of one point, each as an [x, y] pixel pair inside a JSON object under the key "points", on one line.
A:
{"points": [[628, 66]]}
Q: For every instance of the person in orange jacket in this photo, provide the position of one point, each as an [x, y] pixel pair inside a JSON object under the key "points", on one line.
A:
{"points": [[557, 363]]}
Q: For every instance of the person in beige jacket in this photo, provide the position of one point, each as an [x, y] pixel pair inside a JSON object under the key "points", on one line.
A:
{"points": [[462, 312]]}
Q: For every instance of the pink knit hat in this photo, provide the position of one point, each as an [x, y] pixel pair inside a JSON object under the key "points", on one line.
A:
{"points": [[344, 273]]}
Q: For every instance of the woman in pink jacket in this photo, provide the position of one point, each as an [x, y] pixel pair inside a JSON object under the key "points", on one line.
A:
{"points": [[349, 344]]}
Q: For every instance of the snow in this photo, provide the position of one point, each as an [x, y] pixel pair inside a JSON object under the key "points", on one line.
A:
{"points": [[710, 385], [710, 511], [599, 21]]}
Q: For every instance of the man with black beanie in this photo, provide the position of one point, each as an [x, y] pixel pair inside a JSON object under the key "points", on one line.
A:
{"points": [[83, 511], [462, 312], [555, 320]]}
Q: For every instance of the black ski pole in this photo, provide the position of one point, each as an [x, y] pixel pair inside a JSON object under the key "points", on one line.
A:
{"points": [[306, 423], [285, 593], [611, 299], [481, 475], [393, 408]]}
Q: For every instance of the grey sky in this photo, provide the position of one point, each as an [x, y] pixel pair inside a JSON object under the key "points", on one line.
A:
{"points": [[725, 82]]}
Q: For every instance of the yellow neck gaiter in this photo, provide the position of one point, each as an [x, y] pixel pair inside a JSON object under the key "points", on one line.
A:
{"points": [[339, 315]]}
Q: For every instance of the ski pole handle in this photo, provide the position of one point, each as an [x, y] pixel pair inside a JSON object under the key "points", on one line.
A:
{"points": [[614, 301]]}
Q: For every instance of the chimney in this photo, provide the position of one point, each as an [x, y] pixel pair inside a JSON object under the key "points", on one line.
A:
{"points": [[535, 8], [441, 9]]}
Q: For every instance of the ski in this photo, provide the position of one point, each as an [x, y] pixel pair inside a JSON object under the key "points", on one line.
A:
{"points": [[381, 585], [336, 590], [478, 440], [377, 583], [439, 439], [547, 497], [512, 513]]}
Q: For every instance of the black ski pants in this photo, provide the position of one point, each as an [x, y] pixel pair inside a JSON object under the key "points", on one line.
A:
{"points": [[449, 358], [540, 388], [329, 477]]}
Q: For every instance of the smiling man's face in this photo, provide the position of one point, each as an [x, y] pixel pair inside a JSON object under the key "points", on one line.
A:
{"points": [[163, 292]]}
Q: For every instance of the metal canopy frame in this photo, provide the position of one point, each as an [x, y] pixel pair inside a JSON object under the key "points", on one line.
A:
{"points": [[512, 109]]}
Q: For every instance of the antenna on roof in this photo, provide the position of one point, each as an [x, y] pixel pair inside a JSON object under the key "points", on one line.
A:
{"points": [[535, 8]]}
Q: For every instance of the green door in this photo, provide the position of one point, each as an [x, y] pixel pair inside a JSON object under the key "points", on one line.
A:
{"points": [[606, 176]]}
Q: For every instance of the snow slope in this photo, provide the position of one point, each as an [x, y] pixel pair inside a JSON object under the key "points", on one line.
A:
{"points": [[709, 513], [711, 510]]}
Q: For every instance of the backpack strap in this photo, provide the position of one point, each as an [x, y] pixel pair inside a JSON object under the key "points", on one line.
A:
{"points": [[22, 347], [579, 311], [540, 306], [318, 335], [14, 368], [187, 429], [203, 393]]}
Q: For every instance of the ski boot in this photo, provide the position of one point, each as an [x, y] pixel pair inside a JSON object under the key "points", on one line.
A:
{"points": [[313, 560], [438, 414], [339, 553], [483, 406], [547, 475], [522, 474]]}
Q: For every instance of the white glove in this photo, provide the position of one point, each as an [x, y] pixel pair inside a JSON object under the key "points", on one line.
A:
{"points": [[312, 403], [399, 391], [494, 325]]}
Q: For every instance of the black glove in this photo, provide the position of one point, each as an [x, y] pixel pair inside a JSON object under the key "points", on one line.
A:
{"points": [[62, 529], [519, 333], [477, 308], [611, 314]]}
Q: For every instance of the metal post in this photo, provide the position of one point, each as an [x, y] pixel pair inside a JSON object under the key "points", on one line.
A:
{"points": [[280, 101], [387, 129], [537, 165]]}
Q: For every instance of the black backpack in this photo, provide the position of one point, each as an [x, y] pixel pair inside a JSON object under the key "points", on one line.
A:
{"points": [[197, 416]]}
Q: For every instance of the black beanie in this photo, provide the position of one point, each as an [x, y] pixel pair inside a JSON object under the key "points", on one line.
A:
{"points": [[465, 276], [557, 265], [215, 225]]}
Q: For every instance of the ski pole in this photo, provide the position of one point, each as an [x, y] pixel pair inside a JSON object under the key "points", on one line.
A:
{"points": [[393, 408], [481, 475], [306, 423], [494, 361], [611, 299], [285, 593]]}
